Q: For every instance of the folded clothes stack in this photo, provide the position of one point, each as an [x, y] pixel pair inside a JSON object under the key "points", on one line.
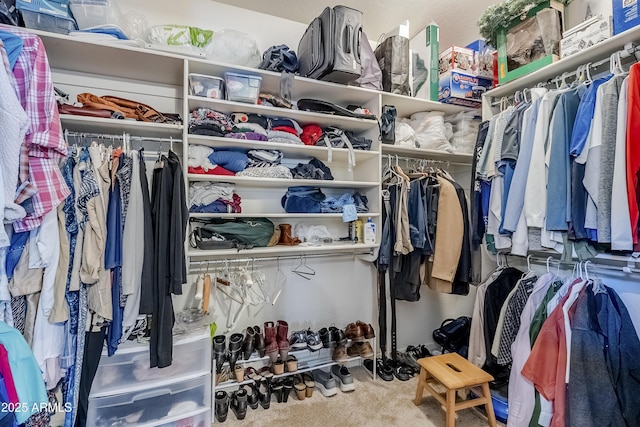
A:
{"points": [[315, 169], [305, 199], [213, 197], [255, 127], [199, 162], [336, 205]]}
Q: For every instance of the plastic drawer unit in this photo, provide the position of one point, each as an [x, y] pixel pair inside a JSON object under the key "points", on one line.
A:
{"points": [[129, 367], [162, 405]]}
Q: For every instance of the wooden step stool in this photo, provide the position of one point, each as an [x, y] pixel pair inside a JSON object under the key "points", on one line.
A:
{"points": [[455, 373]]}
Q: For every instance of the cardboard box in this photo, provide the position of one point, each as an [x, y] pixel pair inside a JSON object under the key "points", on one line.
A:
{"points": [[625, 15], [425, 50], [531, 43], [585, 35], [456, 58], [463, 89]]}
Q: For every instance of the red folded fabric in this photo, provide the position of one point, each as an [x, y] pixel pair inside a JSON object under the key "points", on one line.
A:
{"points": [[287, 129], [218, 170]]}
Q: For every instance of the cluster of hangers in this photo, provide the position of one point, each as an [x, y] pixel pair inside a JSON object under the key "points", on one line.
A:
{"points": [[582, 74], [413, 167], [124, 140]]}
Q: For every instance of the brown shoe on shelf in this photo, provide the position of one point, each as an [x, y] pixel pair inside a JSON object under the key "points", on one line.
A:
{"points": [[278, 367], [366, 329], [340, 354], [239, 373], [292, 363], [300, 387], [361, 349], [354, 332], [286, 238], [309, 383]]}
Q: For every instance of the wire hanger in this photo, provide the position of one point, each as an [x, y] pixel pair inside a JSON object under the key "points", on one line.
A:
{"points": [[303, 270]]}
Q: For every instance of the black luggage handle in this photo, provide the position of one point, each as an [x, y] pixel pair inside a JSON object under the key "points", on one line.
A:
{"points": [[348, 46], [358, 44]]}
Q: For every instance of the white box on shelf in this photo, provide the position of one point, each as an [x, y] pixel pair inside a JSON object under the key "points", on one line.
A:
{"points": [[585, 35]]}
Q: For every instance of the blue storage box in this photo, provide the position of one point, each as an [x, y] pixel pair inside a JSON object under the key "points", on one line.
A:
{"points": [[47, 15], [500, 405], [242, 87], [462, 89], [625, 15]]}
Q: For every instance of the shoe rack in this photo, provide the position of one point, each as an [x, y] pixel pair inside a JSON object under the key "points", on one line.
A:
{"points": [[307, 361]]}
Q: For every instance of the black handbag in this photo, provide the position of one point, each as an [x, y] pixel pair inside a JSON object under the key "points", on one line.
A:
{"points": [[453, 335]]}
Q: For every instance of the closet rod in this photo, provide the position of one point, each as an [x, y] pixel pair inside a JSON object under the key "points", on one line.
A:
{"points": [[272, 258], [598, 265], [119, 137], [624, 53], [392, 158]]}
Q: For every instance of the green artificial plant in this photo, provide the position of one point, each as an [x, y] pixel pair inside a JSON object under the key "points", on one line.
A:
{"points": [[502, 14]]}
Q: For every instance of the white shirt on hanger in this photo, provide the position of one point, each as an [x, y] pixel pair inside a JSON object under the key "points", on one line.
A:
{"points": [[621, 235]]}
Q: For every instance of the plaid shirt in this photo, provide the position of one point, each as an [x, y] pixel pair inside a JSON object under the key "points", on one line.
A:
{"points": [[44, 141], [512, 318]]}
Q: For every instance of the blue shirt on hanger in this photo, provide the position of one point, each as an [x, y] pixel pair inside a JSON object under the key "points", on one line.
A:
{"points": [[12, 45], [584, 116]]}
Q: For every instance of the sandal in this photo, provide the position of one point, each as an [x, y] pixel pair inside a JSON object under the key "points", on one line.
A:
{"points": [[252, 374]]}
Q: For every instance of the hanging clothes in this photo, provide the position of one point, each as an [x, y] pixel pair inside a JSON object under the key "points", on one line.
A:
{"points": [[170, 215]]}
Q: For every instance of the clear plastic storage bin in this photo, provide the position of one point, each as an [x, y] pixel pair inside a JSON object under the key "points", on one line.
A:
{"points": [[129, 367], [50, 23], [159, 406], [88, 14], [206, 86], [242, 87]]}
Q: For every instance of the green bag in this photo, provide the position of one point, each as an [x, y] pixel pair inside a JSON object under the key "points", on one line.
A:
{"points": [[244, 233]]}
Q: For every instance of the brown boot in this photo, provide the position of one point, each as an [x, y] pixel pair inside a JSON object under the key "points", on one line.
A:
{"points": [[340, 354], [286, 238], [366, 329], [354, 332]]}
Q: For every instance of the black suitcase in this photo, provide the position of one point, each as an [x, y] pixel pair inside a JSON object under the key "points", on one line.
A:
{"points": [[330, 47]]}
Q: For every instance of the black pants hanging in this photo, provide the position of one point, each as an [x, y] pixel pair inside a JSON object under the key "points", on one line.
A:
{"points": [[93, 344]]}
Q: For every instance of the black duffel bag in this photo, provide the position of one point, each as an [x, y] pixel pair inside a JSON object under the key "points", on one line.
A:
{"points": [[453, 335]]}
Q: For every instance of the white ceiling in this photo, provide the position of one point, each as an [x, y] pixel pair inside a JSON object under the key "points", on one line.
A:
{"points": [[456, 18]]}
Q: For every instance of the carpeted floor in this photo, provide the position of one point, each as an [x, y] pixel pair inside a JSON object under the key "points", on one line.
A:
{"points": [[372, 404]]}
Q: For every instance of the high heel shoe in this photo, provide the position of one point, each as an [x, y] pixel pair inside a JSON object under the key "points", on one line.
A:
{"points": [[309, 383], [287, 386], [277, 388], [299, 385], [264, 394], [252, 395]]}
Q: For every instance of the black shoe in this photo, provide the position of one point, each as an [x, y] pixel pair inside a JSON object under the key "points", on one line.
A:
{"points": [[252, 395], [264, 394], [287, 386], [400, 370], [219, 351], [327, 338], [238, 403], [276, 388], [235, 346], [338, 335], [222, 406], [382, 370], [249, 343]]}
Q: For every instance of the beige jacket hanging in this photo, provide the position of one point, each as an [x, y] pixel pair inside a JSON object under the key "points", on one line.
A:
{"points": [[449, 237]]}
